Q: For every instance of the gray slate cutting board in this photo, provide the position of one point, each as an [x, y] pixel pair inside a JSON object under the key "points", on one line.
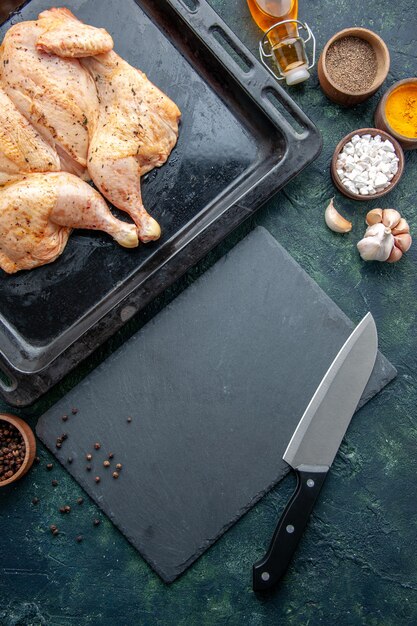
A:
{"points": [[215, 385]]}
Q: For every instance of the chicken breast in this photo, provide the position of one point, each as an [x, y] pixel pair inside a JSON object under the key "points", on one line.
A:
{"points": [[38, 213], [22, 149]]}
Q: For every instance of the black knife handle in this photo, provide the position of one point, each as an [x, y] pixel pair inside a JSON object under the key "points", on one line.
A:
{"points": [[268, 571]]}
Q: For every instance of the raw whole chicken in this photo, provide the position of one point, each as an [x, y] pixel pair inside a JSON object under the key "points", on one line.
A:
{"points": [[38, 213], [56, 95], [70, 102]]}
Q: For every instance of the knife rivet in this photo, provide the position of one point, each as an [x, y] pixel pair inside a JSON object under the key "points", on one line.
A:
{"points": [[310, 482], [265, 576], [290, 529]]}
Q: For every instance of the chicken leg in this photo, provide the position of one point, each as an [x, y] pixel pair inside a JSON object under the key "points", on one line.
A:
{"points": [[38, 213]]}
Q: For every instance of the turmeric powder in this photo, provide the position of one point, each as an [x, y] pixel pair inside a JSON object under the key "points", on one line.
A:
{"points": [[401, 110]]}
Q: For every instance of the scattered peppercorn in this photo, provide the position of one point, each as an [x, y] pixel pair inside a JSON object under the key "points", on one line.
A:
{"points": [[79, 538], [53, 529], [111, 455], [49, 466], [97, 446], [96, 522], [12, 450], [129, 419], [115, 474], [67, 508], [80, 500], [119, 466], [64, 418], [69, 460], [88, 468], [74, 411], [88, 457], [97, 479], [35, 501], [54, 483], [58, 444], [55, 532], [37, 460], [64, 436], [106, 463], [62, 509]]}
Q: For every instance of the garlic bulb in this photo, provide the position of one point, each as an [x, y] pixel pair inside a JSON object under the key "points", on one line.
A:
{"points": [[335, 221], [386, 238], [376, 244]]}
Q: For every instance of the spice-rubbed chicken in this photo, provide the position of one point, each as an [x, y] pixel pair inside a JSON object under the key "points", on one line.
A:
{"points": [[56, 95], [38, 213], [136, 129]]}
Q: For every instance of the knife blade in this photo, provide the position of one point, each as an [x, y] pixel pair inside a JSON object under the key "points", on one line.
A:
{"points": [[315, 443]]}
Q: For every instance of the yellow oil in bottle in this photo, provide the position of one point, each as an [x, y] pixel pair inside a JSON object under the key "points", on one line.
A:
{"points": [[288, 48]]}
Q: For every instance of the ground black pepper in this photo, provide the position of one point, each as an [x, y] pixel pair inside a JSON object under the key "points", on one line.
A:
{"points": [[351, 64], [12, 450]]}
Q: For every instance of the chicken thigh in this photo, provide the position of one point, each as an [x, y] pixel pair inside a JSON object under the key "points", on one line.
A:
{"points": [[56, 95], [38, 213], [22, 149]]}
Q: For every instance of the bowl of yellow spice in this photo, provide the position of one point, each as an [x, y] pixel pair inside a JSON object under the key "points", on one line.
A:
{"points": [[397, 112]]}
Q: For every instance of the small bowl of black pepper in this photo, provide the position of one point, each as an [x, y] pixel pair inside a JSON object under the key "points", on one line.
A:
{"points": [[17, 448], [353, 65]]}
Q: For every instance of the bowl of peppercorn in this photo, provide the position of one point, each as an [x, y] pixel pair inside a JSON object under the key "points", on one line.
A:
{"points": [[17, 448], [353, 65]]}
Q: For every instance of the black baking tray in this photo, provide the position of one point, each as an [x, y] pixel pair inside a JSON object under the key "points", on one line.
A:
{"points": [[241, 139]]}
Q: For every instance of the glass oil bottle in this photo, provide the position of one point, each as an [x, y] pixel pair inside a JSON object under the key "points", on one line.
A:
{"points": [[282, 42]]}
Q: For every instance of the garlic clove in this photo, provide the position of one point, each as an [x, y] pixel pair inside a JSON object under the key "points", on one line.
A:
{"points": [[374, 217], [390, 217], [403, 241], [335, 221], [395, 255], [376, 244], [401, 227]]}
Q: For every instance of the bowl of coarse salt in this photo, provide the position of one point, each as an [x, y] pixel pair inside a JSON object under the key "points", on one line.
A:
{"points": [[367, 164]]}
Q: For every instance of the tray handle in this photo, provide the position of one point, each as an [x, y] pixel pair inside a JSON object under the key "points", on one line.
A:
{"points": [[255, 79]]}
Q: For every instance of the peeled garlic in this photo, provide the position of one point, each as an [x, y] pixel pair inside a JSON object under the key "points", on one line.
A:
{"points": [[386, 238], [376, 244], [335, 221]]}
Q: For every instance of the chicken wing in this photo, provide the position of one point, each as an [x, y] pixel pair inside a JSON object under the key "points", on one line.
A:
{"points": [[38, 213]]}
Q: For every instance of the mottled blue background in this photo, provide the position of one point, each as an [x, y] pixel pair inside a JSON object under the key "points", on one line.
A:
{"points": [[357, 563]]}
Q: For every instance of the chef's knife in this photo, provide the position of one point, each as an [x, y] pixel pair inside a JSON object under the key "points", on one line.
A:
{"points": [[315, 443]]}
